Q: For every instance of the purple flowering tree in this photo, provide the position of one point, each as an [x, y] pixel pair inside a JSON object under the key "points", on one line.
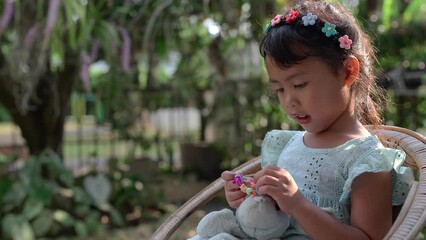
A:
{"points": [[48, 46], [46, 49]]}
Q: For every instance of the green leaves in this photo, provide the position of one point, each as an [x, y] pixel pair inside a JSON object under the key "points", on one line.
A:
{"points": [[71, 24], [106, 33], [389, 11], [89, 225], [415, 11], [392, 10], [99, 188], [63, 218], [13, 198], [43, 199], [43, 223], [41, 184], [5, 186], [32, 208], [75, 17], [17, 227]]}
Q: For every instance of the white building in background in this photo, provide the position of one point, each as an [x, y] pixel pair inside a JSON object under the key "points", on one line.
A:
{"points": [[176, 121]]}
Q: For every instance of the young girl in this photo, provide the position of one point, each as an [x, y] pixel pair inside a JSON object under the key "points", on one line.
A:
{"points": [[320, 65]]}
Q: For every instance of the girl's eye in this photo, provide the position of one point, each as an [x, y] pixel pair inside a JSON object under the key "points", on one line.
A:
{"points": [[279, 90], [302, 85]]}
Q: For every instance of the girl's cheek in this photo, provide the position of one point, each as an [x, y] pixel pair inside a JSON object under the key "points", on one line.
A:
{"points": [[283, 106]]}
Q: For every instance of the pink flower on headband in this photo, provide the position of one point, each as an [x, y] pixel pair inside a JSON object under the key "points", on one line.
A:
{"points": [[291, 16], [277, 19], [345, 42]]}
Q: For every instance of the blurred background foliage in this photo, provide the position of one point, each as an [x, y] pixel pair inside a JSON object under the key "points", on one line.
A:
{"points": [[126, 61]]}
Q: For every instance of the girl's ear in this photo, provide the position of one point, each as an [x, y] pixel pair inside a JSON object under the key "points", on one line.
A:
{"points": [[351, 66]]}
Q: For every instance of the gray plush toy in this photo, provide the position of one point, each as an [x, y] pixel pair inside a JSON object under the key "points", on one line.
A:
{"points": [[257, 217]]}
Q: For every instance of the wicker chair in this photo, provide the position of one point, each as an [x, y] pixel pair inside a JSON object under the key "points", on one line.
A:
{"points": [[407, 225]]}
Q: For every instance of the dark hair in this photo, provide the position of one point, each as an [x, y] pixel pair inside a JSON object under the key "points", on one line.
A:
{"points": [[290, 43]]}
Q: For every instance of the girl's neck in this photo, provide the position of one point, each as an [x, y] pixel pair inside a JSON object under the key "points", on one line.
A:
{"points": [[336, 134], [346, 127]]}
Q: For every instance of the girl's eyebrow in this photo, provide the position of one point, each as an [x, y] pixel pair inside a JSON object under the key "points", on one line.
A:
{"points": [[294, 75]]}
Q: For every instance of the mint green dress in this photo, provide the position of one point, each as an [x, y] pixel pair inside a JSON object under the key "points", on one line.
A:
{"points": [[325, 175]]}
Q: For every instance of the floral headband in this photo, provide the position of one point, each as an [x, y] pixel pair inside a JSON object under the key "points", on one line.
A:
{"points": [[310, 19]]}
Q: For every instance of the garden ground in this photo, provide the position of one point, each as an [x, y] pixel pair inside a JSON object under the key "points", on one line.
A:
{"points": [[177, 191]]}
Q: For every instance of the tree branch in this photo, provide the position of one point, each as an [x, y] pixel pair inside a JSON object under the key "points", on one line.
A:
{"points": [[6, 16], [125, 52], [31, 35], [86, 60], [51, 20], [139, 15], [151, 22]]}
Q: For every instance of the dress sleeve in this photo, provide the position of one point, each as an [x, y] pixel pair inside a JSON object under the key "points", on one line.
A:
{"points": [[381, 160], [273, 144]]}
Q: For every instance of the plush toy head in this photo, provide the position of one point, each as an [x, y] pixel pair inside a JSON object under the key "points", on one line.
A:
{"points": [[258, 215], [260, 218]]}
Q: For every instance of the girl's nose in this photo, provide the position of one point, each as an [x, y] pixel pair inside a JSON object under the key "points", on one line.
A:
{"points": [[290, 101]]}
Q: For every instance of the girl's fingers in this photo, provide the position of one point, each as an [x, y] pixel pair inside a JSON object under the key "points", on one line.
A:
{"points": [[228, 176], [236, 203], [233, 194], [267, 173], [272, 173], [231, 187], [268, 170], [275, 181]]}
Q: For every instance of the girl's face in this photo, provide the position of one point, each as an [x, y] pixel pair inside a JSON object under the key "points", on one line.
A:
{"points": [[311, 94]]}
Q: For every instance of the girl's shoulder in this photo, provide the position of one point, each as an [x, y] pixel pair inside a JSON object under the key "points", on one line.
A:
{"points": [[371, 156], [278, 136], [273, 144], [369, 153]]}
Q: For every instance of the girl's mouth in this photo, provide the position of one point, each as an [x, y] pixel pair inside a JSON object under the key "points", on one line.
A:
{"points": [[302, 119]]}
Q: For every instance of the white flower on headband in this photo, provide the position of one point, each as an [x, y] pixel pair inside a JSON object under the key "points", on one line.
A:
{"points": [[309, 19], [345, 42]]}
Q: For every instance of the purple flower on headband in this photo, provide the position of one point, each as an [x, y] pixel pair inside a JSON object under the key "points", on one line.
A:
{"points": [[291, 16], [329, 29], [309, 19], [345, 42], [277, 19]]}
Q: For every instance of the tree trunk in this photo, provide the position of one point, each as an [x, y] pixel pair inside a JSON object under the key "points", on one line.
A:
{"points": [[43, 125]]}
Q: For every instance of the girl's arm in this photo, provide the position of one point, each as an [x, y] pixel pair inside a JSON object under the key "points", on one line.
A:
{"points": [[234, 196], [371, 208]]}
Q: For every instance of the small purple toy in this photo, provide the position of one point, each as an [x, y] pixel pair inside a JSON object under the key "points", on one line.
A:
{"points": [[248, 186]]}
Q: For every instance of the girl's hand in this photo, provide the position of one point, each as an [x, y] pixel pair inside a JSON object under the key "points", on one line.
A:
{"points": [[280, 185], [233, 194]]}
